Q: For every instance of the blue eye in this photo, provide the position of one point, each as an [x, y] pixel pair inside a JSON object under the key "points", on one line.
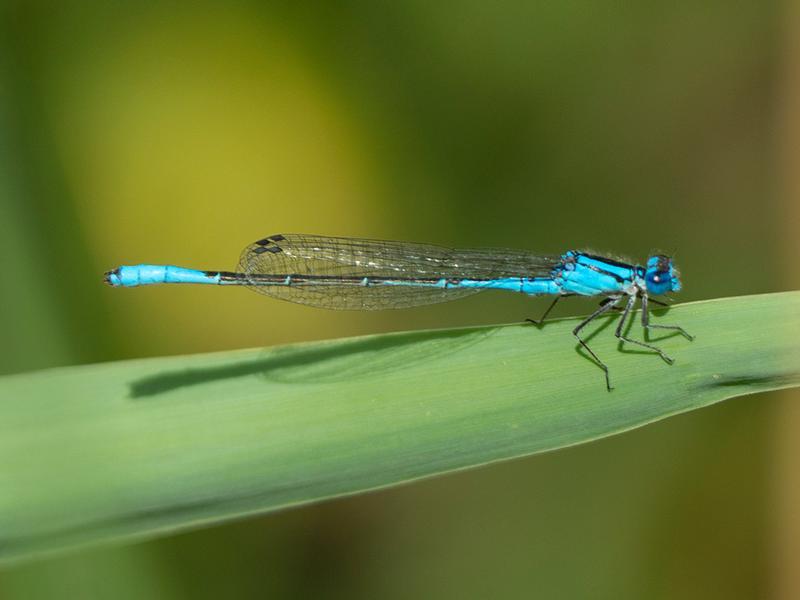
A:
{"points": [[660, 275]]}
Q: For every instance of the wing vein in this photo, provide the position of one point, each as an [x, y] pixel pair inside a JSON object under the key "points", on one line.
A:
{"points": [[328, 259]]}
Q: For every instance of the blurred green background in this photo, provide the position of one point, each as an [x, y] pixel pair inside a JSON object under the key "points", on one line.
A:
{"points": [[179, 132]]}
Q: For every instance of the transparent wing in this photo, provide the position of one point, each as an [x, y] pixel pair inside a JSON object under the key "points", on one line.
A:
{"points": [[328, 272]]}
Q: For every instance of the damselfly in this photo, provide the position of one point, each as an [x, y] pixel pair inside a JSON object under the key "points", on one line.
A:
{"points": [[356, 274]]}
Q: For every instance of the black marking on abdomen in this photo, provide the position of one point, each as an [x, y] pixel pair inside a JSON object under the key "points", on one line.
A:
{"points": [[227, 275], [296, 279]]}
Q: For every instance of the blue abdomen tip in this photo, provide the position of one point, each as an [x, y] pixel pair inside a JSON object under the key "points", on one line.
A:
{"points": [[136, 275]]}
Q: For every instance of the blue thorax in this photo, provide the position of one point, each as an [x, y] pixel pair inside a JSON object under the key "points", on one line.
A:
{"points": [[589, 275]]}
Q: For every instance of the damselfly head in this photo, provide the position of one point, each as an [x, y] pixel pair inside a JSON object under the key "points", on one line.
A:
{"points": [[661, 276]]}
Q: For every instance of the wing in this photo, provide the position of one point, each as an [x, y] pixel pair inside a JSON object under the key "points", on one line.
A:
{"points": [[330, 272]]}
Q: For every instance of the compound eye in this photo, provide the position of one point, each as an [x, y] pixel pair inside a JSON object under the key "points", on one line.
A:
{"points": [[659, 277]]}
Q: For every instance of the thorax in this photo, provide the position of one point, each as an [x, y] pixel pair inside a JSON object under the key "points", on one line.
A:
{"points": [[591, 275]]}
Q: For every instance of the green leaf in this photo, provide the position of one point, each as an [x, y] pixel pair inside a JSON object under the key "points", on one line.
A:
{"points": [[138, 448]]}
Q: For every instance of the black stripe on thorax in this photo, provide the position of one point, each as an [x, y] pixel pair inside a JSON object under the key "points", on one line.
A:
{"points": [[611, 261], [616, 263]]}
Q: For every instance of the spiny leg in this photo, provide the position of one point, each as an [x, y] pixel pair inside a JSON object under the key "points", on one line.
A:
{"points": [[540, 322], [646, 321], [604, 308], [621, 327]]}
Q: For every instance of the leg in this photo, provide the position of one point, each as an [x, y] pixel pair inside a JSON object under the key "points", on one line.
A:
{"points": [[659, 302], [605, 301], [648, 327], [540, 322], [604, 308], [621, 336]]}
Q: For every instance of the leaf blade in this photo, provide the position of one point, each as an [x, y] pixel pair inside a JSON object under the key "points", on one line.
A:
{"points": [[137, 448]]}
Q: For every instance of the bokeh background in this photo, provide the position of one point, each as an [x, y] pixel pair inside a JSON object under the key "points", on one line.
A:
{"points": [[179, 132]]}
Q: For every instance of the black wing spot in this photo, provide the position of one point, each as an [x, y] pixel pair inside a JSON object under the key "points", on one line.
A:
{"points": [[262, 249], [269, 240]]}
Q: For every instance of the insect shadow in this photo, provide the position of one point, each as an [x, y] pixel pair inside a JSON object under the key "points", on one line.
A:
{"points": [[339, 361], [633, 324]]}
